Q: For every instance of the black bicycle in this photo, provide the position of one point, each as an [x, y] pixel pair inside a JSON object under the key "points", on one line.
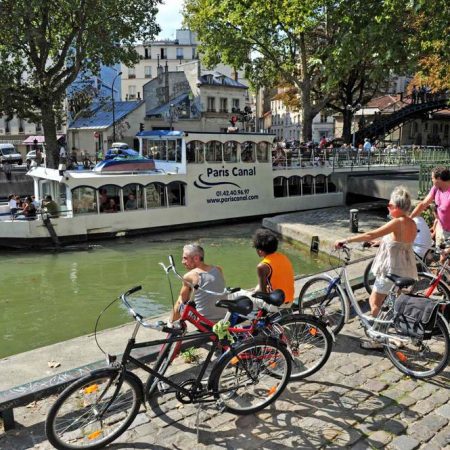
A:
{"points": [[95, 410]]}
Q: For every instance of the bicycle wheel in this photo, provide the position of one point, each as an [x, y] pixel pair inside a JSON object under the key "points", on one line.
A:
{"points": [[422, 358], [425, 281], [309, 342], [94, 410], [369, 277], [251, 376], [166, 355], [322, 298]]}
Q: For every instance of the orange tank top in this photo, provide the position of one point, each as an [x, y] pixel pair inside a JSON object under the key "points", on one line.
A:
{"points": [[281, 275]]}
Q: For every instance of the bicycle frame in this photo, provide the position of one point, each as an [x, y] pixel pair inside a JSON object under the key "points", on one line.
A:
{"points": [[131, 345]]}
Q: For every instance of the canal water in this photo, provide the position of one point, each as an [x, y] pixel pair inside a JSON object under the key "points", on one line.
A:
{"points": [[47, 298]]}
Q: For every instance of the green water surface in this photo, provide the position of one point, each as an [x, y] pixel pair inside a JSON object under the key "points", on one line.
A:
{"points": [[46, 298]]}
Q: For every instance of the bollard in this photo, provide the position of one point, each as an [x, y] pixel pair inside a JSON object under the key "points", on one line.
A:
{"points": [[353, 220], [315, 242]]}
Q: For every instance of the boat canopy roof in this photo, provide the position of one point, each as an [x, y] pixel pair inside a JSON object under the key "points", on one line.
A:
{"points": [[160, 134]]}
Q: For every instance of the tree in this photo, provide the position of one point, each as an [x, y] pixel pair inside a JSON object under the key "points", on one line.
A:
{"points": [[359, 58], [274, 42], [319, 48], [431, 41], [45, 44]]}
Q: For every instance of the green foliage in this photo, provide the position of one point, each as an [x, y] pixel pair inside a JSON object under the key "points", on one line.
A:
{"points": [[45, 44], [334, 53], [190, 355]]}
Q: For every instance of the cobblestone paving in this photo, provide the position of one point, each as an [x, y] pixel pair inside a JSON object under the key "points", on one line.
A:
{"points": [[357, 401]]}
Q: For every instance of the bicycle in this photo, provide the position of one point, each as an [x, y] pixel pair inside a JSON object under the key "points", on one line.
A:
{"points": [[95, 410], [433, 277], [330, 298], [309, 340]]}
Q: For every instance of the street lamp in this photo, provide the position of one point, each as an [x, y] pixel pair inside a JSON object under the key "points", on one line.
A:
{"points": [[113, 106]]}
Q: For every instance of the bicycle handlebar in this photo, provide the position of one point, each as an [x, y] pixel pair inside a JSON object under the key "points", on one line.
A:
{"points": [[160, 325]]}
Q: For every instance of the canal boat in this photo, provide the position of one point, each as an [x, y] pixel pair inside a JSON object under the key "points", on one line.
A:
{"points": [[197, 178]]}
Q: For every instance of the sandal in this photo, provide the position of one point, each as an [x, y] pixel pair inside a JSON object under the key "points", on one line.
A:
{"points": [[372, 345]]}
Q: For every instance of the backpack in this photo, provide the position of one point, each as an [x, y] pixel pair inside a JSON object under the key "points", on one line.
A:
{"points": [[415, 316]]}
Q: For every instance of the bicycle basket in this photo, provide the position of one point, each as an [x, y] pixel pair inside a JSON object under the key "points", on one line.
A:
{"points": [[415, 316]]}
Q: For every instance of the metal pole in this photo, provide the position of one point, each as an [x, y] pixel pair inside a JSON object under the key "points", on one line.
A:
{"points": [[113, 106]]}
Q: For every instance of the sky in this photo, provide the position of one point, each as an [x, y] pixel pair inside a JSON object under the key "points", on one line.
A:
{"points": [[169, 18]]}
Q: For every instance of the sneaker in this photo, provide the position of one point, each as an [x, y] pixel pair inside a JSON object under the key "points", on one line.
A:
{"points": [[372, 345]]}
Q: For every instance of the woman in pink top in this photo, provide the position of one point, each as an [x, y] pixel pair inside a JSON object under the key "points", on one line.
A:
{"points": [[440, 195]]}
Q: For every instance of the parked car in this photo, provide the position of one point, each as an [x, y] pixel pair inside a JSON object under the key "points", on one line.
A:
{"points": [[8, 154], [31, 156]]}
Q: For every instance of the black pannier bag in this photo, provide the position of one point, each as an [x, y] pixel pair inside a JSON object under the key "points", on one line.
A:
{"points": [[415, 316]]}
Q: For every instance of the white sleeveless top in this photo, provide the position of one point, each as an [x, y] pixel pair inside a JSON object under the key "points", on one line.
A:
{"points": [[396, 258]]}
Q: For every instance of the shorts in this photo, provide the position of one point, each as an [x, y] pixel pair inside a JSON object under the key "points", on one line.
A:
{"points": [[382, 285]]}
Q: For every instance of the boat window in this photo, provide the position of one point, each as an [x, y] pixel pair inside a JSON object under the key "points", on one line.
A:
{"points": [[231, 150], [280, 187], [155, 195], [213, 151], [307, 185], [195, 152], [248, 151], [320, 182], [133, 197], [171, 150], [262, 151], [155, 150], [146, 148], [109, 198], [331, 186], [295, 186], [84, 200], [176, 193]]}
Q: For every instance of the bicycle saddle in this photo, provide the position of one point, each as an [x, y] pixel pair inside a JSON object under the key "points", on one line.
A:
{"points": [[275, 298], [401, 282], [241, 305]]}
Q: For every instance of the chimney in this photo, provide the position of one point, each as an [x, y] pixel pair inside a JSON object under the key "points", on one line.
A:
{"points": [[235, 74]]}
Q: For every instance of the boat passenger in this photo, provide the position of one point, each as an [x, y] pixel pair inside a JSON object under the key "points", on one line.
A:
{"points": [[12, 203], [110, 207], [207, 277], [28, 210], [131, 202], [50, 205]]}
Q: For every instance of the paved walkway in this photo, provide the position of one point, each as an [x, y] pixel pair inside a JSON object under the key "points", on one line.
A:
{"points": [[329, 224], [358, 400]]}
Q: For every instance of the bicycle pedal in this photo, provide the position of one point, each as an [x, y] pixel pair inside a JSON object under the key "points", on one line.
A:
{"points": [[220, 406]]}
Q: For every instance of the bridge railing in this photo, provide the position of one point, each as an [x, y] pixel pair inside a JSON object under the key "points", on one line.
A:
{"points": [[356, 159]]}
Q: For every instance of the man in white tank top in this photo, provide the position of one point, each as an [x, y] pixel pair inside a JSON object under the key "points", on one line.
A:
{"points": [[204, 275]]}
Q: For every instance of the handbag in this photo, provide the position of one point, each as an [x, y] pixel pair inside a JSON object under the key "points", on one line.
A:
{"points": [[415, 316]]}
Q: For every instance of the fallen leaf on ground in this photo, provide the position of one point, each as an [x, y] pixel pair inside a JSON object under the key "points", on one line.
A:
{"points": [[53, 364], [31, 405]]}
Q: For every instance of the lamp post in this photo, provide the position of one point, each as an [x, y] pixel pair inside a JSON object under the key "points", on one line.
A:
{"points": [[353, 109], [113, 106]]}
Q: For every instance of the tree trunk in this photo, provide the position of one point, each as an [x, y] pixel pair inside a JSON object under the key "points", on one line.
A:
{"points": [[51, 142], [307, 113], [347, 126]]}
